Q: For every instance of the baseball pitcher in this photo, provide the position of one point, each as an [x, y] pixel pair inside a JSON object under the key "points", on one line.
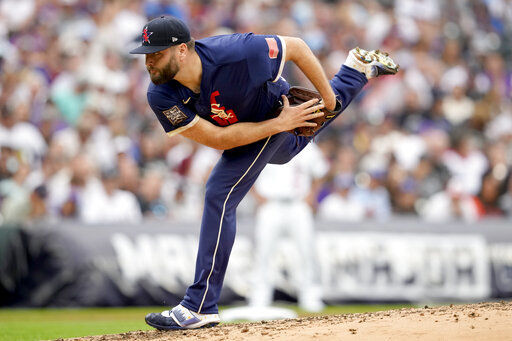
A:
{"points": [[226, 92]]}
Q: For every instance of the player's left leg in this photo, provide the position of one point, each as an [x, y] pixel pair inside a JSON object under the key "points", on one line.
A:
{"points": [[360, 66], [347, 84]]}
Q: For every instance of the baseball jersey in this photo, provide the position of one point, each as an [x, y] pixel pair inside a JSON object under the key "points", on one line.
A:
{"points": [[241, 82]]}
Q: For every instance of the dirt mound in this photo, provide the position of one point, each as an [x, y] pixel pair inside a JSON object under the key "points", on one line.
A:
{"points": [[483, 321]]}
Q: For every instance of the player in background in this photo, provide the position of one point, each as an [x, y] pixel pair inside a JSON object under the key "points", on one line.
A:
{"points": [[223, 92], [287, 194]]}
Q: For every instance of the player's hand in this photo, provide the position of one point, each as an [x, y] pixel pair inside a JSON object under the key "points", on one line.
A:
{"points": [[292, 117]]}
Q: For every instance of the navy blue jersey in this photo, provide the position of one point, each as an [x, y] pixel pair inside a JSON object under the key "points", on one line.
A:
{"points": [[241, 82]]}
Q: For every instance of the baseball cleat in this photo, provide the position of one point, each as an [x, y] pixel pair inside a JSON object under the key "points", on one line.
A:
{"points": [[372, 63], [180, 317]]}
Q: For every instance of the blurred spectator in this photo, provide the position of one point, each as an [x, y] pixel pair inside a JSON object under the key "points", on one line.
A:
{"points": [[505, 200], [457, 107], [20, 134], [69, 88], [402, 187], [372, 195], [466, 163], [150, 197], [430, 176], [38, 209], [341, 205], [8, 162], [488, 198], [104, 202], [450, 204], [129, 173], [77, 179], [286, 195], [15, 195], [70, 92]]}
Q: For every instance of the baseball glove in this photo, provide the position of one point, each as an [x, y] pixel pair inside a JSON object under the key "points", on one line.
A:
{"points": [[299, 95]]}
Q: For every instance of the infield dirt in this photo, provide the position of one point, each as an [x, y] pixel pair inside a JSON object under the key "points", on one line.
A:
{"points": [[482, 321]]}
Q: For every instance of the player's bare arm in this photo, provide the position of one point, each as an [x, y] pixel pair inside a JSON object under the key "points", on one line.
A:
{"points": [[299, 52], [243, 133]]}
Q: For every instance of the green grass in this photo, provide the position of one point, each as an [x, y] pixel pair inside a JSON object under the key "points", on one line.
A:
{"points": [[44, 324], [47, 324]]}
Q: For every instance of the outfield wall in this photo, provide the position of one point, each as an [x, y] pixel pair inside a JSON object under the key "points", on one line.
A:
{"points": [[70, 264]]}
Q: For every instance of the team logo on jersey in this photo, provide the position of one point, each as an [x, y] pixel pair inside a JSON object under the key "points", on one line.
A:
{"points": [[175, 115], [273, 49], [219, 114], [145, 35]]}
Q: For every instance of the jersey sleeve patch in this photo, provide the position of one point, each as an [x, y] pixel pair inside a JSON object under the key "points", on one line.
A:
{"points": [[283, 59], [273, 49], [265, 57], [175, 115], [166, 103]]}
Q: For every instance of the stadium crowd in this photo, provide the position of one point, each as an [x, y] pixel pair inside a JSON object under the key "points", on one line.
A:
{"points": [[78, 140]]}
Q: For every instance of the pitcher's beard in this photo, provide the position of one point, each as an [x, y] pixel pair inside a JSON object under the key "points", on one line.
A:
{"points": [[164, 75]]}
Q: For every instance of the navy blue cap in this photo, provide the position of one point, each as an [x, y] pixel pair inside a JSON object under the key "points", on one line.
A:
{"points": [[161, 33]]}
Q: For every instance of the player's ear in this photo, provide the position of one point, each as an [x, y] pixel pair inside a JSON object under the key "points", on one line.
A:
{"points": [[182, 51]]}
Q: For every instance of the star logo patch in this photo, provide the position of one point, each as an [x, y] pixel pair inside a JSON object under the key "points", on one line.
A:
{"points": [[175, 115], [145, 35]]}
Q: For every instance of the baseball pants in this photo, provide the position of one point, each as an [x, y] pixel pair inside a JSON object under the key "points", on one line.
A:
{"points": [[292, 219], [230, 180]]}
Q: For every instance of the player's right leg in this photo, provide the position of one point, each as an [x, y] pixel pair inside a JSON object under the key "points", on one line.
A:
{"points": [[229, 182]]}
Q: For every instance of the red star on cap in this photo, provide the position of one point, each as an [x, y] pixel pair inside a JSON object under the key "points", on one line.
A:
{"points": [[145, 35]]}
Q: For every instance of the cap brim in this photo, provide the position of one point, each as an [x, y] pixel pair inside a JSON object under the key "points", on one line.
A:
{"points": [[145, 49]]}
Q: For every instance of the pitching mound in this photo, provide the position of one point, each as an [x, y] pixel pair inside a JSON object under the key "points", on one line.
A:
{"points": [[483, 321]]}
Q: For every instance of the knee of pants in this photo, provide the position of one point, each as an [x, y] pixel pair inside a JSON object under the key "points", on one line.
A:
{"points": [[219, 202], [289, 149], [214, 196], [281, 160]]}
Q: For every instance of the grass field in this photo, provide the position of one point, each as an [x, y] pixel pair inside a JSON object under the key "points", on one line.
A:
{"points": [[48, 324]]}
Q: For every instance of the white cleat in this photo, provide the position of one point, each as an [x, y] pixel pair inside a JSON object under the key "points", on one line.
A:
{"points": [[180, 317], [372, 63]]}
